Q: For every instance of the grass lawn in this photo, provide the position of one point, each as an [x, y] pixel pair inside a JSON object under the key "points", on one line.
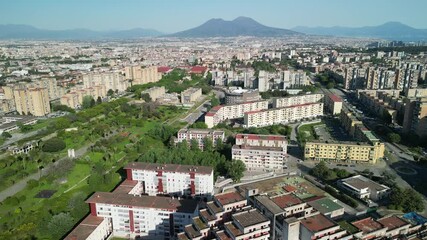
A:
{"points": [[306, 132]]}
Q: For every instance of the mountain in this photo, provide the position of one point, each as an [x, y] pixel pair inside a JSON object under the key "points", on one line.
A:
{"points": [[13, 31], [389, 31], [241, 26]]}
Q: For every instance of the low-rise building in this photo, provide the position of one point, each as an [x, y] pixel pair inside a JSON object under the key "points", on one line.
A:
{"points": [[333, 104], [224, 112], [344, 151], [191, 95], [239, 95], [260, 118], [320, 227], [364, 188], [200, 135], [297, 100], [155, 92], [259, 140], [171, 179], [327, 207]]}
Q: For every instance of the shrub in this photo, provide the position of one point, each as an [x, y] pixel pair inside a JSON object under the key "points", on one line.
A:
{"points": [[53, 145]]}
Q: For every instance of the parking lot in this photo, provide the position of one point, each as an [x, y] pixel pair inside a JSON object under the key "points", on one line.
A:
{"points": [[331, 131]]}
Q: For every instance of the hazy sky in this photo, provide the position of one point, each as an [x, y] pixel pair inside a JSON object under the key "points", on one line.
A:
{"points": [[176, 15]]}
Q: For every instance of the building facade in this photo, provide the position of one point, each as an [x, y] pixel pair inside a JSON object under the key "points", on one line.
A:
{"points": [[200, 135], [191, 95], [172, 179]]}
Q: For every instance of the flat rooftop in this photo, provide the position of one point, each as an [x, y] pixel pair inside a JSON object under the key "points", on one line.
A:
{"points": [[269, 204], [392, 222], [192, 232], [85, 228], [275, 149], [261, 137], [229, 198], [287, 200], [317, 223], [367, 225], [360, 182], [250, 218], [169, 167], [325, 205], [144, 201]]}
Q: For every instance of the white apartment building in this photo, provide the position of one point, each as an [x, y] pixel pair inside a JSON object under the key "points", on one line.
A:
{"points": [[297, 100], [134, 216], [294, 78], [111, 80], [221, 113], [250, 224], [190, 95], [200, 135], [260, 159], [258, 140], [172, 179], [282, 115]]}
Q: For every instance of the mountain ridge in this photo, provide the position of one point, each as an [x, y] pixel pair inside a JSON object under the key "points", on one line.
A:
{"points": [[22, 31], [391, 30], [240, 26]]}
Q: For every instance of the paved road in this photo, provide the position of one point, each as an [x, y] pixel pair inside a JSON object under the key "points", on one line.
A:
{"points": [[19, 186], [18, 136]]}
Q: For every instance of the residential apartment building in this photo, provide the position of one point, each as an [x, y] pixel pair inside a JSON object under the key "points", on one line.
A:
{"points": [[142, 75], [74, 98], [260, 159], [294, 78], [344, 151], [171, 179], [130, 215], [190, 95], [261, 153], [364, 188], [112, 80], [155, 92], [258, 140], [259, 118], [54, 91], [200, 135], [239, 95], [415, 118], [297, 100], [333, 104], [228, 217], [34, 101], [223, 112]]}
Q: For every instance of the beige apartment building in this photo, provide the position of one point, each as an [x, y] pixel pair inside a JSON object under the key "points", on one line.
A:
{"points": [[344, 151], [54, 91], [415, 118], [296, 100], [333, 104], [221, 113], [74, 98], [155, 92], [34, 101], [190, 95], [111, 80], [142, 75], [260, 118]]}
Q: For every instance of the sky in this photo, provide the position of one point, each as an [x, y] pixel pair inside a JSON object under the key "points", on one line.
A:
{"points": [[170, 16]]}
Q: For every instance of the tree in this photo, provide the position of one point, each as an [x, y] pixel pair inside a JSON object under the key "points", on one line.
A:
{"points": [[110, 92], [6, 135], [62, 123], [207, 144], [199, 125], [88, 102], [393, 137], [235, 170], [99, 100], [60, 224], [194, 144], [407, 200], [77, 206], [146, 97], [214, 101], [53, 145], [24, 128]]}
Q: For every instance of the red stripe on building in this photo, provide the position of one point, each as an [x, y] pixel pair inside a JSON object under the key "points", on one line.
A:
{"points": [[93, 209], [129, 174], [192, 187], [131, 223], [160, 186]]}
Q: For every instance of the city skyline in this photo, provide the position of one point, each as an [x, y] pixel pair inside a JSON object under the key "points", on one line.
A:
{"points": [[99, 15]]}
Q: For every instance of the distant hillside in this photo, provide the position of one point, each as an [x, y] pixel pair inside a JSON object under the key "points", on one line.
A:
{"points": [[13, 31], [389, 31], [241, 26]]}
